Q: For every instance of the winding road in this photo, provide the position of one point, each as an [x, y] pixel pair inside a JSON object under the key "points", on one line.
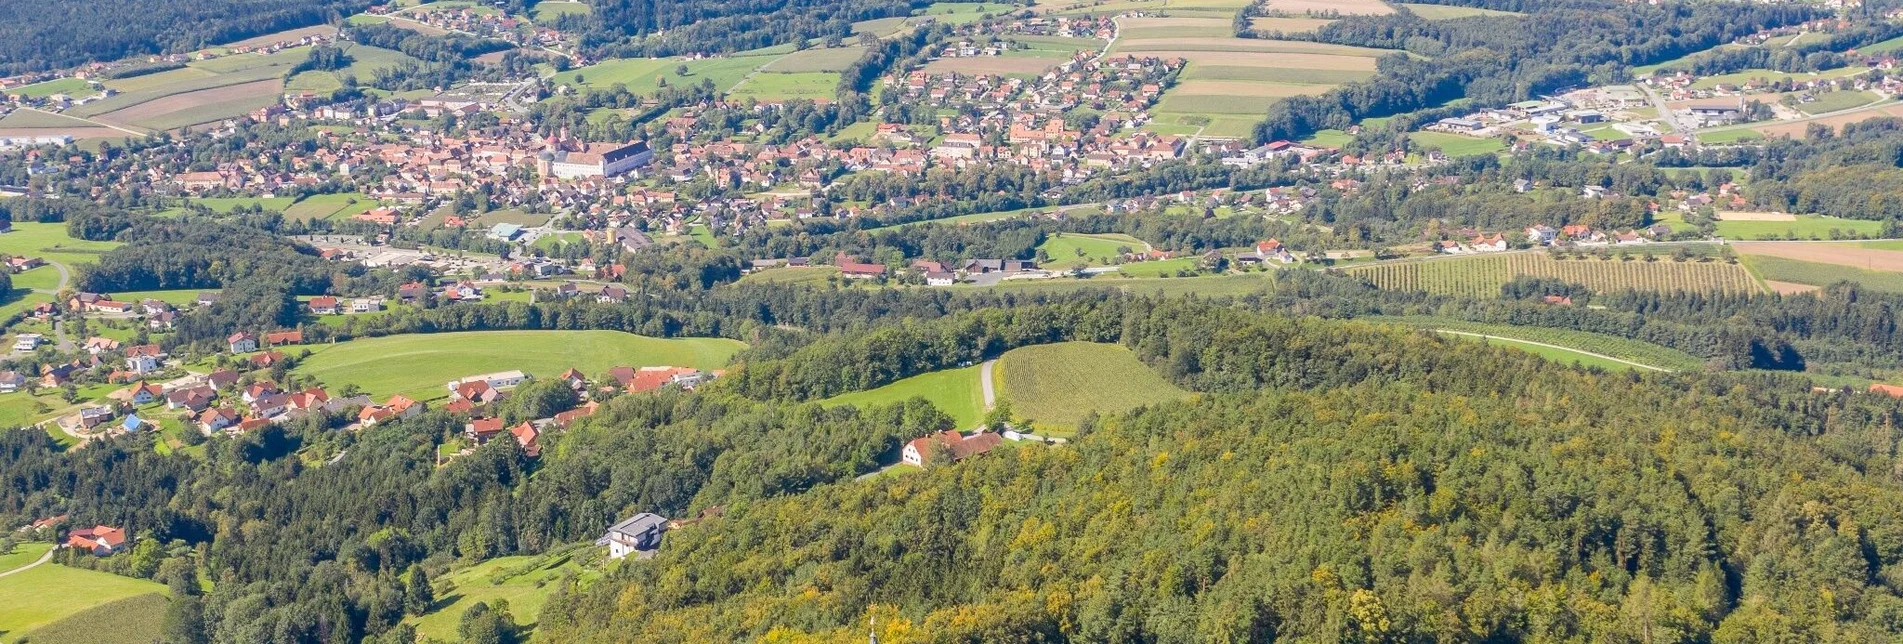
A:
{"points": [[48, 556]]}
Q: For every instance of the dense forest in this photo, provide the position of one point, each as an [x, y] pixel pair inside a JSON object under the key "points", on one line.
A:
{"points": [[40, 36]]}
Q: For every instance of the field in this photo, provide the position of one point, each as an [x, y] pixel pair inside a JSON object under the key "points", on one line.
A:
{"points": [[134, 620], [1455, 145], [365, 61], [1836, 101], [1797, 227], [327, 206], [1853, 255], [433, 359], [772, 87], [1287, 25], [1343, 7], [1748, 75], [51, 592], [816, 60], [23, 554], [517, 217], [640, 74], [811, 275], [1054, 386], [959, 13], [1450, 12], [548, 11], [26, 122], [1483, 275], [1793, 271], [72, 87], [525, 581], [1799, 128], [50, 241], [1611, 345], [202, 92], [1065, 249], [953, 391]]}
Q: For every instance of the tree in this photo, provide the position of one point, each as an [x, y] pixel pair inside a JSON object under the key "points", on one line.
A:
{"points": [[185, 620], [420, 598], [482, 624]]}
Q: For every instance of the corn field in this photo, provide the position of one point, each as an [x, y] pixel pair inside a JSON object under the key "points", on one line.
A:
{"points": [[1483, 275]]}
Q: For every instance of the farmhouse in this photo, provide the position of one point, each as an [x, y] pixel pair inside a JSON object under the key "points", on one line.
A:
{"points": [[324, 305], [100, 540], [918, 453], [851, 268], [639, 535], [242, 342]]}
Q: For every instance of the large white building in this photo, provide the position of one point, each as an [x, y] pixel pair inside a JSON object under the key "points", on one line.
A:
{"points": [[596, 160]]}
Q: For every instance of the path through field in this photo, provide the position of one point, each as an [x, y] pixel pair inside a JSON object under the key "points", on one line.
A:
{"points": [[48, 556], [1555, 346], [984, 382]]}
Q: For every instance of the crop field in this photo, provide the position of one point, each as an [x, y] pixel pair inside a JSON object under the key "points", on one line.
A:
{"points": [[1638, 351], [769, 87], [1343, 7], [51, 592], [202, 92], [202, 106], [1794, 271], [281, 37], [881, 27], [1065, 249], [24, 122], [433, 359], [1456, 145], [133, 620], [1851, 255], [1136, 29], [1287, 25], [1450, 12], [954, 391], [816, 60], [1483, 275], [1056, 385], [1836, 101], [1800, 128], [525, 581]]}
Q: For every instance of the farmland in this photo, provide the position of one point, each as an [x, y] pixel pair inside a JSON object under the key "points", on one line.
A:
{"points": [[1095, 250], [23, 554], [1794, 271], [1875, 258], [525, 581], [1229, 82], [50, 241], [953, 391], [1483, 275], [327, 206], [1641, 352], [433, 359], [1456, 145], [641, 74], [767, 86], [51, 592], [1797, 227], [1835, 101], [810, 275], [1054, 386], [830, 59], [133, 620], [202, 92]]}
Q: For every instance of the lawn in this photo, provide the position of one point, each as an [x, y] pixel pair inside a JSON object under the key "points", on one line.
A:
{"points": [[51, 592], [1455, 145], [525, 581], [1095, 250], [1806, 227], [23, 554], [50, 242], [44, 278], [138, 619], [954, 391], [1054, 386], [430, 360], [701, 233]]}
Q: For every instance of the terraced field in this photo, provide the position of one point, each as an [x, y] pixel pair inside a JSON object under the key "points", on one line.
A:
{"points": [[1483, 275]]}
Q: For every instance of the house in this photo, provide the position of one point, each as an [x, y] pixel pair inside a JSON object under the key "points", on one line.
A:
{"points": [[412, 292], [324, 305], [851, 268], [24, 264], [919, 451], [1489, 243], [96, 345], [145, 358], [612, 294], [222, 378], [654, 378], [270, 405], [266, 360], [569, 417], [11, 381], [216, 419], [639, 534], [27, 341], [366, 305], [242, 342], [1541, 234], [193, 399], [596, 160], [481, 430], [143, 392], [398, 407], [526, 435], [100, 540], [937, 278], [280, 338], [133, 424], [475, 392], [206, 298]]}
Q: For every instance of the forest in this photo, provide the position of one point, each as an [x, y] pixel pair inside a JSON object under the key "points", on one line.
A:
{"points": [[42, 36]]}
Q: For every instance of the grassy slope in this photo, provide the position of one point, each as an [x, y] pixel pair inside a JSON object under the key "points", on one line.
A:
{"points": [[526, 591], [1056, 385], [139, 619], [23, 554], [1097, 250], [953, 391], [1820, 274], [50, 242], [51, 592], [430, 360], [1615, 346]]}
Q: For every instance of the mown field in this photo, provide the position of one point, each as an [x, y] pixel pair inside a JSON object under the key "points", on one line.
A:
{"points": [[956, 392], [1611, 345], [642, 75], [49, 593], [50, 242], [23, 554], [417, 365], [1456, 145], [1801, 227], [1054, 386], [1483, 275]]}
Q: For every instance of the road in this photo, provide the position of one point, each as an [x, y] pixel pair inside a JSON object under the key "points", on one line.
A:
{"points": [[36, 562], [985, 383], [1665, 111], [1555, 346]]}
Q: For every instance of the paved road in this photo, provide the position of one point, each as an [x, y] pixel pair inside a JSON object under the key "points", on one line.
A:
{"points": [[1555, 346], [1665, 111], [984, 381], [43, 559]]}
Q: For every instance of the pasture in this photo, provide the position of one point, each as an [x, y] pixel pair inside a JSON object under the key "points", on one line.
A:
{"points": [[1837, 101], [525, 581], [51, 592], [1054, 386], [23, 554], [1483, 275], [28, 122], [830, 59], [643, 75], [69, 86], [1065, 249], [1456, 145], [960, 13], [50, 242], [954, 391], [430, 360], [774, 87], [1798, 227], [549, 11]]}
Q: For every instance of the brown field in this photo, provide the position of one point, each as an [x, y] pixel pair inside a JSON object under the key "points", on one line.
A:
{"points": [[75, 132], [153, 109], [1288, 25], [283, 36], [1739, 215], [1797, 129], [1245, 88], [1001, 65], [1343, 7], [1789, 288], [1250, 45], [1839, 254], [1264, 59]]}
